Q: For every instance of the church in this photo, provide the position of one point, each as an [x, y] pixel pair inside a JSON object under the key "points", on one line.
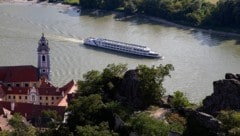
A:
{"points": [[27, 88]]}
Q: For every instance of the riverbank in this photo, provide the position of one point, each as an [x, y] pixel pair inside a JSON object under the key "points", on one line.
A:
{"points": [[159, 20], [154, 19]]}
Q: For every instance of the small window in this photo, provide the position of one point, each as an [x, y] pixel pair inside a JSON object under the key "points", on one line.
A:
{"points": [[26, 84], [46, 103], [52, 103], [46, 98], [25, 97], [40, 97], [13, 97], [9, 97], [20, 97], [17, 85], [43, 58], [52, 98], [57, 98]]}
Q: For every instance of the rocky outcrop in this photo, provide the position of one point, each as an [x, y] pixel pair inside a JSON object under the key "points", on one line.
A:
{"points": [[128, 91], [226, 95], [202, 124]]}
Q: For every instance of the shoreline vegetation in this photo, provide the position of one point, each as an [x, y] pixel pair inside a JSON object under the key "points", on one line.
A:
{"points": [[151, 18]]}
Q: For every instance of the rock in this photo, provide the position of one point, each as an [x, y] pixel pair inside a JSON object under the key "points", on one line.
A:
{"points": [[202, 124], [226, 95], [129, 89]]}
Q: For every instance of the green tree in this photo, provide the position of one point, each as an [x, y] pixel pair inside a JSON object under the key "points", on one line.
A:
{"points": [[151, 78], [112, 4], [100, 130], [21, 128], [145, 125], [179, 100], [91, 84], [90, 4], [85, 111]]}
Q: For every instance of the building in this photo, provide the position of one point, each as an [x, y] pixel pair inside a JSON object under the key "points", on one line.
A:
{"points": [[28, 88]]}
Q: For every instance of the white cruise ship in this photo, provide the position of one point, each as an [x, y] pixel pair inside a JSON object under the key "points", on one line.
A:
{"points": [[121, 47]]}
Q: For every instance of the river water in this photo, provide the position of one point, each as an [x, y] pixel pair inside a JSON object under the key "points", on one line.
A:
{"points": [[199, 58]]}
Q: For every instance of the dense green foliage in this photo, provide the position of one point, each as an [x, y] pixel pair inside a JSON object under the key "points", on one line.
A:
{"points": [[179, 100], [97, 104], [226, 13], [231, 122], [145, 125], [20, 128], [151, 78]]}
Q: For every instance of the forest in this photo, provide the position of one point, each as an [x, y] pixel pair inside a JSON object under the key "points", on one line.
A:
{"points": [[223, 15]]}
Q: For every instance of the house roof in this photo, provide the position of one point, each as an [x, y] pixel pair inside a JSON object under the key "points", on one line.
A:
{"points": [[30, 111], [44, 89], [18, 73]]}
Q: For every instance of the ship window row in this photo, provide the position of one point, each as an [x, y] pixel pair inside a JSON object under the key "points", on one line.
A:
{"points": [[123, 47], [124, 44]]}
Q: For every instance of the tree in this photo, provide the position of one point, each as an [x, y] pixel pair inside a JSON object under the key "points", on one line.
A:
{"points": [[179, 100], [90, 4], [21, 128], [151, 78], [85, 111], [145, 125], [91, 84], [101, 130]]}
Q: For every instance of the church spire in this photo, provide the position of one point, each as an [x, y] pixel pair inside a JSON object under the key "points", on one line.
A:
{"points": [[43, 58]]}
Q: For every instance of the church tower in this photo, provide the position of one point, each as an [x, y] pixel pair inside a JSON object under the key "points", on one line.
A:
{"points": [[43, 58]]}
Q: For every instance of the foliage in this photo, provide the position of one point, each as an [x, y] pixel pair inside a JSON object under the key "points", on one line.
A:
{"points": [[92, 83], [71, 2], [179, 100], [151, 78], [231, 122], [16, 120], [96, 82], [60, 131], [51, 114], [100, 130], [119, 109], [4, 133], [226, 13], [84, 111], [21, 128], [51, 117], [145, 125]]}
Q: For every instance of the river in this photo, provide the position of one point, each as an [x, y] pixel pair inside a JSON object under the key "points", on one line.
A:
{"points": [[199, 58]]}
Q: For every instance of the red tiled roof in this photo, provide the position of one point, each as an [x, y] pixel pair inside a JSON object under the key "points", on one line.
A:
{"points": [[43, 90], [18, 74], [53, 90], [17, 90], [30, 111]]}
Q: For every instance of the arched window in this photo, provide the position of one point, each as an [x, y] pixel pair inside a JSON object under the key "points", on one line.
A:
{"points": [[43, 58]]}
